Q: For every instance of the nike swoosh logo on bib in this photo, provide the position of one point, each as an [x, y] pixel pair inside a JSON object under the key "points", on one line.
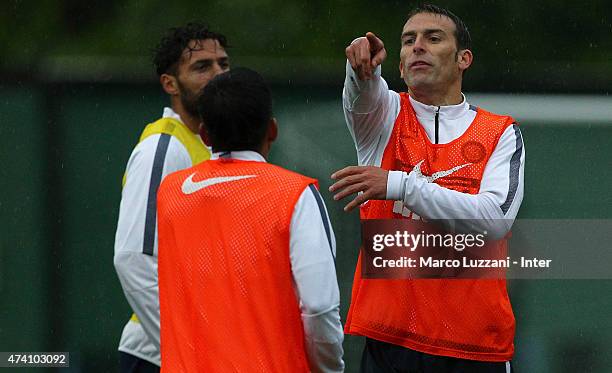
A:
{"points": [[190, 186], [439, 174]]}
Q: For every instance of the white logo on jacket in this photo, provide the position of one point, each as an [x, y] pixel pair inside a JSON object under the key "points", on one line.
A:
{"points": [[436, 175], [190, 186], [398, 206]]}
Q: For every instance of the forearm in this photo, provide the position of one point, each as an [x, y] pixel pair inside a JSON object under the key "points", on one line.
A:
{"points": [[363, 96], [370, 110], [145, 304], [324, 340], [138, 277], [462, 211]]}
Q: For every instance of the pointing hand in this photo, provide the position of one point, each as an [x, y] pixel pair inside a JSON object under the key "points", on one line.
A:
{"points": [[365, 54]]}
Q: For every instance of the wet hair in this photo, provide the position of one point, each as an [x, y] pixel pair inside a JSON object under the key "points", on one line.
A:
{"points": [[462, 35], [236, 109], [167, 54]]}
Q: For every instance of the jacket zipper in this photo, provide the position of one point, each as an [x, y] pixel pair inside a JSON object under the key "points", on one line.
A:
{"points": [[437, 122]]}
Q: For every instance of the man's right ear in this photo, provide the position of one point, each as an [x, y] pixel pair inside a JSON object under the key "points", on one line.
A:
{"points": [[169, 84], [272, 133]]}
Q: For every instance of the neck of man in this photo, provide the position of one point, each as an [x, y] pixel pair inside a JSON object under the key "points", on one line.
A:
{"points": [[438, 96], [264, 151], [193, 123]]}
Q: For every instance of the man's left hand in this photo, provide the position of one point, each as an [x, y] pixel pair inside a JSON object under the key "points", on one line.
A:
{"points": [[371, 181]]}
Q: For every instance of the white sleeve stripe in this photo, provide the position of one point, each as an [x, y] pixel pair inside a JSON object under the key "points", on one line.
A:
{"points": [[323, 217], [515, 165], [156, 177]]}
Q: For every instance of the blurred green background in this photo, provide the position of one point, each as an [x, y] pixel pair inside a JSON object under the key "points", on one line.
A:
{"points": [[77, 86]]}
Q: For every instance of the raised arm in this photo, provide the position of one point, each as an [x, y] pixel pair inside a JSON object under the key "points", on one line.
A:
{"points": [[370, 108]]}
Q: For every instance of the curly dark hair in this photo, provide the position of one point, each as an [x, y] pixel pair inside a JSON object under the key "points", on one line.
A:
{"points": [[168, 52], [462, 35]]}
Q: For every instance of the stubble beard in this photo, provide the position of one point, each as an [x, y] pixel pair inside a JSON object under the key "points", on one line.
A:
{"points": [[189, 100], [424, 81], [430, 81]]}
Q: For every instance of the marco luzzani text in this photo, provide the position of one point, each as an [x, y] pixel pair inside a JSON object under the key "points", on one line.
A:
{"points": [[459, 242]]}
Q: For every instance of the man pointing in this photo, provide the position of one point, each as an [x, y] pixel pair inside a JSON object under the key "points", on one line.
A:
{"points": [[429, 154]]}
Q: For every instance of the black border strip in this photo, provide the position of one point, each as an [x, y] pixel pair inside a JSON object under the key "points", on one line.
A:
{"points": [[515, 165], [148, 243], [317, 196]]}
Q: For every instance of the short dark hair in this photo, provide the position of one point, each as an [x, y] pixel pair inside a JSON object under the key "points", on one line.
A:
{"points": [[462, 35], [236, 108], [168, 52]]}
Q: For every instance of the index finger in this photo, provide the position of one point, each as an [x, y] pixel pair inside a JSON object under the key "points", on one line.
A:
{"points": [[375, 43], [346, 171], [379, 57]]}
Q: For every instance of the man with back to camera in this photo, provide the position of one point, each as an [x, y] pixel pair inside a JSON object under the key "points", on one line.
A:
{"points": [[186, 59], [253, 289], [402, 141]]}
